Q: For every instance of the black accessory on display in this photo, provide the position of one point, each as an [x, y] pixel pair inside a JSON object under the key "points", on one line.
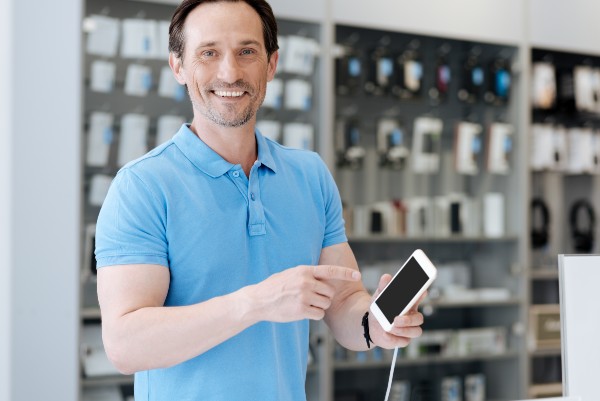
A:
{"points": [[583, 239], [539, 232], [376, 222], [455, 220], [349, 70], [473, 80], [566, 91], [365, 325]]}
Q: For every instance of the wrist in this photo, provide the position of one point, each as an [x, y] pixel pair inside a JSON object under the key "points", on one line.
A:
{"points": [[247, 305]]}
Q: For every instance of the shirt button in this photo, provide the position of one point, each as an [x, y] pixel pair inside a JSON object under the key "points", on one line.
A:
{"points": [[236, 174], [252, 196]]}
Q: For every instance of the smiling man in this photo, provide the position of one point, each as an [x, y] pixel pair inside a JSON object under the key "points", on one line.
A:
{"points": [[216, 248]]}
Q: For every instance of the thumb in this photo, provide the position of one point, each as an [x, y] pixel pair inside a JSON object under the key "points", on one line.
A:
{"points": [[383, 282]]}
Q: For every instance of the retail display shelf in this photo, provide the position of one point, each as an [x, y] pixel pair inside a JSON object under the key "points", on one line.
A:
{"points": [[545, 273], [426, 360], [90, 313], [514, 301], [374, 238], [545, 389], [546, 352], [106, 380]]}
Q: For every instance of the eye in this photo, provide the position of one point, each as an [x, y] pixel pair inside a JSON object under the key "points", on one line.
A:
{"points": [[208, 53], [247, 52]]}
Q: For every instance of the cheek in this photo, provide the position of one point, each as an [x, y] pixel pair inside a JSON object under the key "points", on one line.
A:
{"points": [[195, 80]]}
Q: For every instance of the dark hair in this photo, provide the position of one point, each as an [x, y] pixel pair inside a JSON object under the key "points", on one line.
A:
{"points": [[263, 9]]}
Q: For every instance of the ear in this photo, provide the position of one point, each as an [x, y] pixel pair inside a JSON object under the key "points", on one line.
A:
{"points": [[176, 65], [272, 66]]}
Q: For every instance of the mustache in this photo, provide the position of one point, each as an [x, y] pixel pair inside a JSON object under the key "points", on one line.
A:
{"points": [[223, 86]]}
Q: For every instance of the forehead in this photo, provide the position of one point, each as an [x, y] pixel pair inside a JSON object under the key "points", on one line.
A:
{"points": [[223, 22]]}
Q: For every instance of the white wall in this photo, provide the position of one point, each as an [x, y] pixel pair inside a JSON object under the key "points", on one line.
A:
{"points": [[565, 25], [497, 21], [308, 10], [5, 198], [41, 188]]}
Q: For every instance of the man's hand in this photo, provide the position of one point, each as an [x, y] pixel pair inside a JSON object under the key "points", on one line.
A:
{"points": [[404, 328], [301, 292]]}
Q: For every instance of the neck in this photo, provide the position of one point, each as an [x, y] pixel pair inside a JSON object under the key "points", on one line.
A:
{"points": [[236, 145]]}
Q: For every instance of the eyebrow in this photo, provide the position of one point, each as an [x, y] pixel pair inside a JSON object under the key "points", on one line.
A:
{"points": [[213, 43]]}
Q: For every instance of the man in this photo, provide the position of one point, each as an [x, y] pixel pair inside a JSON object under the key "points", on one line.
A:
{"points": [[216, 248]]}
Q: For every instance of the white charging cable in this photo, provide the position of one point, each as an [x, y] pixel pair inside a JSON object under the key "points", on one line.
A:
{"points": [[387, 393]]}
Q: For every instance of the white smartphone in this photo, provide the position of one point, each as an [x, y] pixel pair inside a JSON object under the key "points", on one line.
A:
{"points": [[405, 289]]}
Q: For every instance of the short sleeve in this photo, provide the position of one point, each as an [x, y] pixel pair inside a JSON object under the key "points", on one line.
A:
{"points": [[335, 232], [131, 227]]}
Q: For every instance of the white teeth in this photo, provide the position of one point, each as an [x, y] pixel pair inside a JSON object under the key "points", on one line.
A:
{"points": [[228, 94]]}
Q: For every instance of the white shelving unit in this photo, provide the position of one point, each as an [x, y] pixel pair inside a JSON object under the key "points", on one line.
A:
{"points": [[557, 28]]}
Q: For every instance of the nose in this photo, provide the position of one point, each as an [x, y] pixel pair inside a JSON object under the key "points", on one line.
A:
{"points": [[229, 69]]}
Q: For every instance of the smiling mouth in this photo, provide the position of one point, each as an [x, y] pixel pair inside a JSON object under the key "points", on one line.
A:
{"points": [[229, 94]]}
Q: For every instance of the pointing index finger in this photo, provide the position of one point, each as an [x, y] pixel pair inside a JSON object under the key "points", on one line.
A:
{"points": [[333, 272]]}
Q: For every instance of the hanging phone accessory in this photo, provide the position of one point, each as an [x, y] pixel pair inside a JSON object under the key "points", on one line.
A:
{"points": [[381, 72], [583, 238], [543, 85], [540, 223], [499, 82], [443, 76], [348, 71], [391, 144], [350, 152], [473, 80], [409, 78]]}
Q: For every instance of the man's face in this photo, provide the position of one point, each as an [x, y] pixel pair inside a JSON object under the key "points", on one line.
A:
{"points": [[225, 64]]}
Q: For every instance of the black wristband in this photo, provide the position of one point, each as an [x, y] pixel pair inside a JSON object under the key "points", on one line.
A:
{"points": [[365, 325]]}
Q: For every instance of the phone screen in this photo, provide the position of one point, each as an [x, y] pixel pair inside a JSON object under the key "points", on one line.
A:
{"points": [[402, 289]]}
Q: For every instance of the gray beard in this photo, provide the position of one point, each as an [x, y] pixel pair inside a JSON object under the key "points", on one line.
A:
{"points": [[221, 121]]}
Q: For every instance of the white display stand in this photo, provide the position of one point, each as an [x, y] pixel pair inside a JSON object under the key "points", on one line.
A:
{"points": [[579, 276]]}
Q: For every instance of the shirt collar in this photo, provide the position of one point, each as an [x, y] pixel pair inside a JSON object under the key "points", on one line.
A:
{"points": [[264, 151], [209, 161]]}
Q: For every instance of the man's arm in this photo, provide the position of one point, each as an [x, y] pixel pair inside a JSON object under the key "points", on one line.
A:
{"points": [[350, 303], [140, 333]]}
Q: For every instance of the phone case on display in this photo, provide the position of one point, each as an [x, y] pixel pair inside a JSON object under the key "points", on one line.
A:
{"points": [[499, 83], [473, 80], [381, 72], [349, 72], [410, 75], [443, 77]]}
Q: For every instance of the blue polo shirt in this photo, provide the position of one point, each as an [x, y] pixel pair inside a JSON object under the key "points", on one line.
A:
{"points": [[184, 207]]}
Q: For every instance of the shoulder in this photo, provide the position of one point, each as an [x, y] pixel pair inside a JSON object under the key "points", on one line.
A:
{"points": [[303, 166], [158, 162], [300, 158], [158, 155], [151, 171]]}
